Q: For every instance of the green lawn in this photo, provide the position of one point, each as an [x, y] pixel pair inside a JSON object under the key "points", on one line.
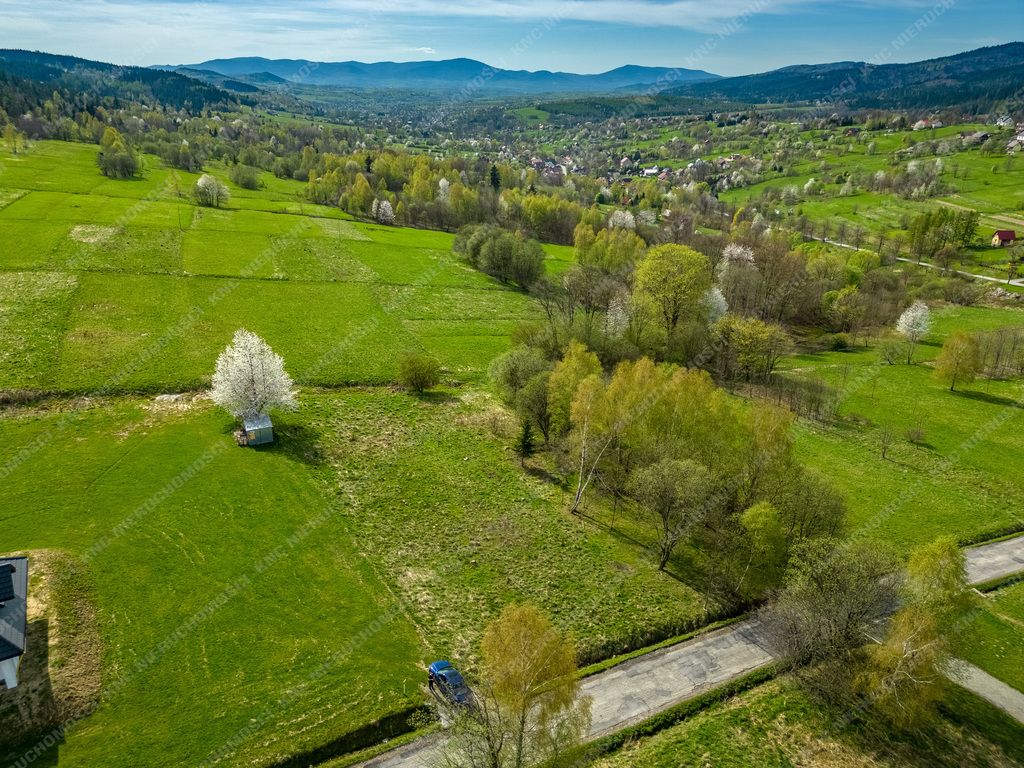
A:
{"points": [[154, 286], [186, 537], [963, 479], [225, 599], [206, 612], [778, 726], [994, 639], [991, 184]]}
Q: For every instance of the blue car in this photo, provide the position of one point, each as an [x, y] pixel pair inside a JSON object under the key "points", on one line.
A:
{"points": [[448, 685]]}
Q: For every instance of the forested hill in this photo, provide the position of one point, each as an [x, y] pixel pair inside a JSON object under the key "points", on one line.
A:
{"points": [[445, 75], [983, 77], [25, 76]]}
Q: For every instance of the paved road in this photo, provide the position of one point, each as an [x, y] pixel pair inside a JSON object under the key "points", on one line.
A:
{"points": [[994, 691], [633, 691], [1016, 281], [991, 561]]}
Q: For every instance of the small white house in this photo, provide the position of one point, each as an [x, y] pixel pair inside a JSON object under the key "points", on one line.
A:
{"points": [[13, 616]]}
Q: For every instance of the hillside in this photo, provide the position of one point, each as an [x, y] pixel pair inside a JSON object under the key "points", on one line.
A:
{"points": [[450, 74], [24, 75], [986, 74]]}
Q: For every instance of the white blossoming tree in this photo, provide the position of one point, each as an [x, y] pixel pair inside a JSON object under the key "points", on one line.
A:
{"points": [[715, 304], [735, 258], [250, 378], [620, 219], [211, 191], [913, 325], [382, 212]]}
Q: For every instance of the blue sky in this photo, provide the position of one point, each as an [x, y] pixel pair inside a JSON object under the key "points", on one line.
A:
{"points": [[729, 37]]}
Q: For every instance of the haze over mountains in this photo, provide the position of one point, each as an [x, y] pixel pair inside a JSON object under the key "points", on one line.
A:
{"points": [[986, 73], [445, 75]]}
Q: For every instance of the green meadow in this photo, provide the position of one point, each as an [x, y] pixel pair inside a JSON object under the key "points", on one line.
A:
{"points": [[777, 725], [962, 478], [991, 184], [158, 285], [269, 602], [994, 639]]}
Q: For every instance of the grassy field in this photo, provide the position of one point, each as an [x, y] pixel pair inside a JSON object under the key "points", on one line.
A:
{"points": [[223, 579], [778, 726], [271, 601], [995, 641], [143, 289], [962, 479], [407, 511]]}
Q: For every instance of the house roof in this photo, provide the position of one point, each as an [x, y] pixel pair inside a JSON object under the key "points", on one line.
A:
{"points": [[6, 582], [257, 422], [14, 612], [1006, 234]]}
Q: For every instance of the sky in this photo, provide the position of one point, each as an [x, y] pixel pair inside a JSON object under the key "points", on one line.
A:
{"points": [[728, 37]]}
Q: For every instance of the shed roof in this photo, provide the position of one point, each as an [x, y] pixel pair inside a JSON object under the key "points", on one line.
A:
{"points": [[14, 611], [257, 422], [1006, 234]]}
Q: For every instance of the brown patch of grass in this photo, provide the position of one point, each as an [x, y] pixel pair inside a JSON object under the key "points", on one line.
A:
{"points": [[91, 233], [60, 676]]}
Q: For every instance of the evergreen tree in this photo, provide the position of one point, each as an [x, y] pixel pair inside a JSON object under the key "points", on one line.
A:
{"points": [[525, 446]]}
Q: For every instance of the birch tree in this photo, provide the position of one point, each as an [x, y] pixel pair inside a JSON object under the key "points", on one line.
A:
{"points": [[528, 704], [250, 378]]}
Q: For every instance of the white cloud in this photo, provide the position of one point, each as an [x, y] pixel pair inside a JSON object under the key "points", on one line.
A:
{"points": [[188, 31]]}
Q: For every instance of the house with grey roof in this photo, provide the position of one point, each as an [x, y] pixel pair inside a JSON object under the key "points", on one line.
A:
{"points": [[13, 616]]}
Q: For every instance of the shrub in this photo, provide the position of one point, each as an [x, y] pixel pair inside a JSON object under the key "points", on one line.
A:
{"points": [[511, 371], [915, 434], [890, 351], [418, 372], [963, 292], [116, 159], [245, 176], [839, 342], [501, 254]]}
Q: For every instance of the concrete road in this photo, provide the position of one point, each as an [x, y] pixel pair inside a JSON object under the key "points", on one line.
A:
{"points": [[992, 561], [637, 689], [633, 691], [991, 689]]}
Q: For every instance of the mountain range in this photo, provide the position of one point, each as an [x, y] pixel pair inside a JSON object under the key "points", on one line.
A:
{"points": [[973, 81], [444, 75], [991, 74]]}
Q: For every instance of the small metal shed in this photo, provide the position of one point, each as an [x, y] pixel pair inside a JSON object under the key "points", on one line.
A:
{"points": [[13, 616], [258, 430]]}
